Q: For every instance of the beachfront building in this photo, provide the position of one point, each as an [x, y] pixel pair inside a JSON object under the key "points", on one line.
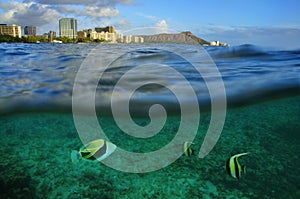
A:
{"points": [[109, 29], [215, 43], [51, 35], [127, 39], [81, 34], [12, 30], [133, 39], [218, 43], [30, 30], [68, 28], [120, 37], [106, 36], [137, 39]]}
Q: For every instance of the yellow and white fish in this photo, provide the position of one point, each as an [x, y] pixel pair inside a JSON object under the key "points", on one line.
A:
{"points": [[233, 167], [188, 151], [94, 150]]}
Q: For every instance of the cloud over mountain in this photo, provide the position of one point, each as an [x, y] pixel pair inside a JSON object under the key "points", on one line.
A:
{"points": [[162, 26]]}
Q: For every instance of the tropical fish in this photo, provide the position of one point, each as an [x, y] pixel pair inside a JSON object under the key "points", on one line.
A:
{"points": [[233, 167], [188, 151], [94, 150]]}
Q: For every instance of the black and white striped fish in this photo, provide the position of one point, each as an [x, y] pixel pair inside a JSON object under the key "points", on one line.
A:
{"points": [[233, 167], [187, 149]]}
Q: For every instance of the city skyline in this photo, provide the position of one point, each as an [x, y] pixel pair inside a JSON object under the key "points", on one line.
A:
{"points": [[266, 23], [68, 29]]}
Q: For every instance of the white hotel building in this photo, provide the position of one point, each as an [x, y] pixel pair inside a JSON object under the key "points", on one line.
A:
{"points": [[12, 30]]}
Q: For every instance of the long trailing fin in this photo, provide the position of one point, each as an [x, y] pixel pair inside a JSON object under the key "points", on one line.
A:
{"points": [[241, 154]]}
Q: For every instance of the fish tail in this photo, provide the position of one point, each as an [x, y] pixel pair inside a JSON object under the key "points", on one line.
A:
{"points": [[75, 156]]}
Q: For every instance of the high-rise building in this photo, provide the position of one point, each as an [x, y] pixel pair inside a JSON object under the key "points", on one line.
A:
{"points": [[30, 30], [68, 28], [51, 35], [12, 30], [110, 29]]}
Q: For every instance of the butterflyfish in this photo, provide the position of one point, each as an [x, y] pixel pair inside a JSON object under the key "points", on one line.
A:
{"points": [[233, 167], [94, 150]]}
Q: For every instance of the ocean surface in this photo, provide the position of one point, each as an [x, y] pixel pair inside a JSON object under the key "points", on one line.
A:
{"points": [[37, 130]]}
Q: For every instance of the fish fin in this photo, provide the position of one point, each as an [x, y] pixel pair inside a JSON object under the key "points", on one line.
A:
{"points": [[241, 154], [227, 167], [75, 156], [190, 151], [193, 151], [109, 150], [244, 169]]}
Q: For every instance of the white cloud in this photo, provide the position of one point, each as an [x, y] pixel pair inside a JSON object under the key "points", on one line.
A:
{"points": [[159, 27], [162, 26], [100, 12], [102, 3], [69, 2], [123, 23], [45, 13], [65, 9], [27, 13]]}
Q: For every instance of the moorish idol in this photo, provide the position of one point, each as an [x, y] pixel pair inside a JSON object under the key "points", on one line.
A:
{"points": [[233, 167], [188, 151], [94, 150]]}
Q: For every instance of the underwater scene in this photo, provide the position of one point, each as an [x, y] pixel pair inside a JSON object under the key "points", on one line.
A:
{"points": [[45, 155]]}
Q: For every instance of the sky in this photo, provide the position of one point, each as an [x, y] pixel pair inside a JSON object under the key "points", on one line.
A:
{"points": [[267, 23]]}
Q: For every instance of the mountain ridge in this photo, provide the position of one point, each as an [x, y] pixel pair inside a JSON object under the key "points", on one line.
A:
{"points": [[185, 37]]}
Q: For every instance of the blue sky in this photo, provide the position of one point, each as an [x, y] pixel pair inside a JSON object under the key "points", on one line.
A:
{"points": [[268, 23]]}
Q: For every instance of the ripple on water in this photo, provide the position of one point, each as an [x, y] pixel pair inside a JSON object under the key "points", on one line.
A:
{"points": [[33, 71]]}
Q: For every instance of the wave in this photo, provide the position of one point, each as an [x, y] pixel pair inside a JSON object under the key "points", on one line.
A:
{"points": [[42, 76], [242, 51]]}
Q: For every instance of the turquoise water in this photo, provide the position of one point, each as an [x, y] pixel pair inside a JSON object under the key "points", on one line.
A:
{"points": [[37, 131]]}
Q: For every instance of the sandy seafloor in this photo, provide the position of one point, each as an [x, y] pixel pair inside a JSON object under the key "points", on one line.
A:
{"points": [[35, 158]]}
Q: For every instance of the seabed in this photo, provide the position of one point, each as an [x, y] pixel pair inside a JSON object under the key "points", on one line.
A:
{"points": [[36, 146]]}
